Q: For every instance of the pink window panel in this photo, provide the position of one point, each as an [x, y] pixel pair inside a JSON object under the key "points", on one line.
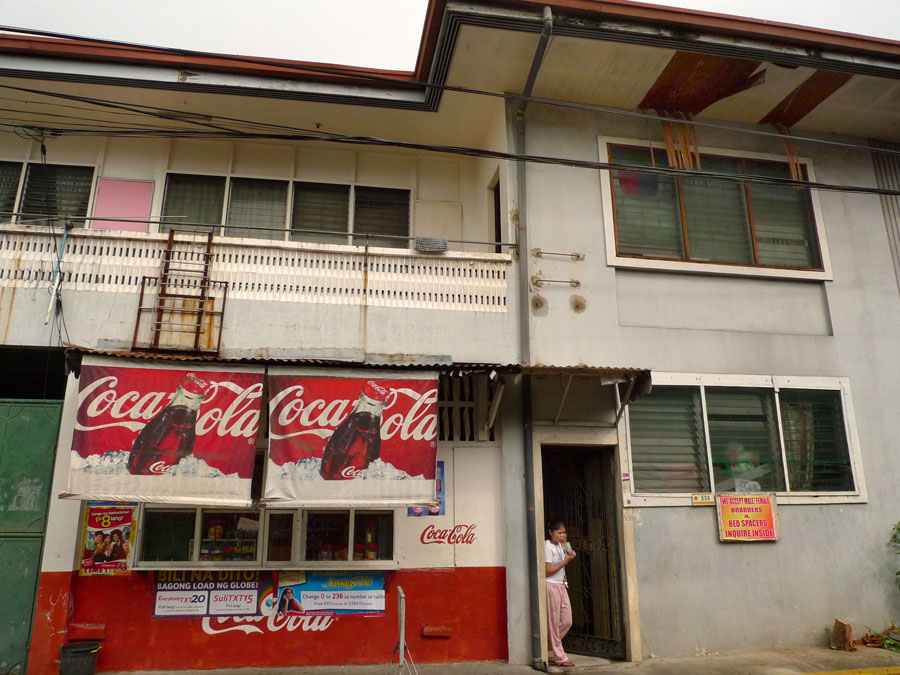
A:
{"points": [[126, 199]]}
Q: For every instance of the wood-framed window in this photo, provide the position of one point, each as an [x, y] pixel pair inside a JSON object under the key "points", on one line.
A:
{"points": [[288, 210], [198, 537], [712, 223]]}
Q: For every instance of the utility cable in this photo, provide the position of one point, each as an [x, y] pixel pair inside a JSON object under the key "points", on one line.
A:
{"points": [[318, 135], [555, 161]]}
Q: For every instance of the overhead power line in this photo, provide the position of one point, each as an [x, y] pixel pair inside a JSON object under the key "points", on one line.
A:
{"points": [[508, 156], [289, 133]]}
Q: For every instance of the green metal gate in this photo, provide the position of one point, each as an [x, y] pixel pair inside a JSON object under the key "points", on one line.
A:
{"points": [[28, 431]]}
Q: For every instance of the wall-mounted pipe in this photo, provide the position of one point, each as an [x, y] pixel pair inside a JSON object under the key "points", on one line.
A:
{"points": [[537, 646]]}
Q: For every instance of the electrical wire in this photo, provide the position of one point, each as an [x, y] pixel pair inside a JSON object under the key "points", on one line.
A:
{"points": [[36, 117], [318, 135], [203, 228], [560, 161], [352, 75]]}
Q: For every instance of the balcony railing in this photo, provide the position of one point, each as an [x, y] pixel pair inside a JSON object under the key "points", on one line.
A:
{"points": [[116, 262]]}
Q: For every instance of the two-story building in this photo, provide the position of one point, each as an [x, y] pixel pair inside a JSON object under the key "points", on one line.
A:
{"points": [[562, 203]]}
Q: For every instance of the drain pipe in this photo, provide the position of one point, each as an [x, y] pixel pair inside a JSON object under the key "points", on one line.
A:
{"points": [[537, 647]]}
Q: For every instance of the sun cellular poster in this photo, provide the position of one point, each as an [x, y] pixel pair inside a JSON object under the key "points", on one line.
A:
{"points": [[330, 593], [164, 434], [108, 539], [362, 438]]}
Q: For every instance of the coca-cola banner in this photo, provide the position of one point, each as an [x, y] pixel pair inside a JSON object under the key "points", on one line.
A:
{"points": [[165, 433], [358, 438]]}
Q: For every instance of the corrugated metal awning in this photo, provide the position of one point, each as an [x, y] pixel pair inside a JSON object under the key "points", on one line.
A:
{"points": [[614, 373], [638, 381], [403, 362]]}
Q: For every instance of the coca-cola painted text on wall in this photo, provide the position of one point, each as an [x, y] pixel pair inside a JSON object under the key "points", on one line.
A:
{"points": [[369, 439], [163, 434]]}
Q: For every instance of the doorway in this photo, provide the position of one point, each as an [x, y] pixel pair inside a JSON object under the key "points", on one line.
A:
{"points": [[579, 486]]}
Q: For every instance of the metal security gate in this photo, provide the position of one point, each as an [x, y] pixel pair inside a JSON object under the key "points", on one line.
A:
{"points": [[579, 486], [28, 431]]}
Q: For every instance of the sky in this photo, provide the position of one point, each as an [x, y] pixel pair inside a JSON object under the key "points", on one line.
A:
{"points": [[373, 33]]}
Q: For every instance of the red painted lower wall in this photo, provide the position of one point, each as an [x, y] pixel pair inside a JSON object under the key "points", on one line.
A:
{"points": [[51, 617], [470, 601]]}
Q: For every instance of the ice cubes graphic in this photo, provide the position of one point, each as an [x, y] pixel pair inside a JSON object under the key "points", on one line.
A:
{"points": [[114, 463], [308, 469]]}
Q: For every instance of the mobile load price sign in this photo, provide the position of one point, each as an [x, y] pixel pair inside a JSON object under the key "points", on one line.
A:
{"points": [[747, 517], [213, 593], [164, 434], [330, 593], [107, 539], [351, 439]]}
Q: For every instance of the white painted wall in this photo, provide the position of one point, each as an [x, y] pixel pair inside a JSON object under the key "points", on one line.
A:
{"points": [[62, 542], [472, 473], [692, 587]]}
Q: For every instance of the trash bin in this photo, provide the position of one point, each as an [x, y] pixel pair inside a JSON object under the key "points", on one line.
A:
{"points": [[79, 658]]}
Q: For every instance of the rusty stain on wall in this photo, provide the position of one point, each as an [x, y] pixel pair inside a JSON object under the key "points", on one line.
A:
{"points": [[9, 302]]}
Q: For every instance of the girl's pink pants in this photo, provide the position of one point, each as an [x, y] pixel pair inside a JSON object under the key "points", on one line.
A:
{"points": [[559, 618]]}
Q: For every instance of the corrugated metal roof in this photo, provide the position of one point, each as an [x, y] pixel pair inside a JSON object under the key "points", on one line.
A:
{"points": [[425, 363], [585, 371], [430, 363]]}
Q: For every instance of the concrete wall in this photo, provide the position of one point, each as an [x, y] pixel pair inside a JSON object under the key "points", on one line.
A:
{"points": [[450, 198], [440, 184], [257, 329], [696, 594]]}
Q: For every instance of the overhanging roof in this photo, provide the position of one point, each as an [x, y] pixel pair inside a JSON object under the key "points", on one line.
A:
{"points": [[612, 53]]}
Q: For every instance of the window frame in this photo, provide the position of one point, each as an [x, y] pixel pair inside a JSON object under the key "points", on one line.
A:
{"points": [[220, 230], [614, 259], [24, 163], [776, 383], [298, 544]]}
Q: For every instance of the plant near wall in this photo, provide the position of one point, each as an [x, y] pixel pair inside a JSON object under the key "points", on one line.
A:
{"points": [[895, 544]]}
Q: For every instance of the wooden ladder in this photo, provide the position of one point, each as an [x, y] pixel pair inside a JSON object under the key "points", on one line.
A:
{"points": [[183, 295]]}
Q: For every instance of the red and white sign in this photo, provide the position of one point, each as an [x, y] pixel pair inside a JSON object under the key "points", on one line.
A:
{"points": [[366, 438], [164, 434], [458, 534]]}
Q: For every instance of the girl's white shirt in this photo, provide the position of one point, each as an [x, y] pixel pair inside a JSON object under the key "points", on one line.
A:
{"points": [[554, 554]]}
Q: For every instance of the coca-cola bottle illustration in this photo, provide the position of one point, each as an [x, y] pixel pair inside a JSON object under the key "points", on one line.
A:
{"points": [[356, 443], [169, 436]]}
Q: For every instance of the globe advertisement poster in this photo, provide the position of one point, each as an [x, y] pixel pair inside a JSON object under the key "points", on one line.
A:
{"points": [[367, 438], [218, 593], [164, 434]]}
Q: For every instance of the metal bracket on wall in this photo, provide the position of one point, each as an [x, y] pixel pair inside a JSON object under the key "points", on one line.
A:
{"points": [[540, 281], [539, 253]]}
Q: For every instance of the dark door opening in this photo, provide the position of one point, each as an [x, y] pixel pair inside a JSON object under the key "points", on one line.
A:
{"points": [[579, 489]]}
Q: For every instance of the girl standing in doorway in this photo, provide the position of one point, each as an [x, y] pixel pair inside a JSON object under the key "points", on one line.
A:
{"points": [[558, 554]]}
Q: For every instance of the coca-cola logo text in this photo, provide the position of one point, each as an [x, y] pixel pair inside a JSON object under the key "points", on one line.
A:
{"points": [[100, 400], [293, 414], [351, 472], [160, 467], [272, 623], [458, 534]]}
